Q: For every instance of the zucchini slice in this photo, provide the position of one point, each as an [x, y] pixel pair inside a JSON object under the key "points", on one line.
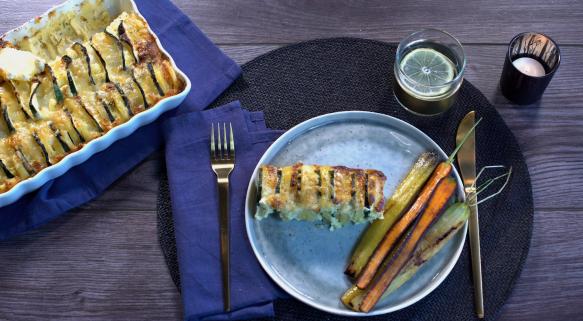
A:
{"points": [[146, 106], [332, 183], [114, 102], [32, 100], [278, 184], [68, 113], [61, 124], [15, 113], [119, 45], [166, 77], [42, 147], [67, 61], [107, 109], [54, 148], [121, 32], [11, 161], [84, 89], [59, 137], [126, 101], [143, 77], [79, 48], [5, 170], [260, 184], [111, 51], [84, 107], [7, 121], [24, 139], [318, 172], [154, 79], [131, 90], [366, 198], [102, 61], [57, 90], [29, 169], [21, 90], [84, 122], [143, 42]]}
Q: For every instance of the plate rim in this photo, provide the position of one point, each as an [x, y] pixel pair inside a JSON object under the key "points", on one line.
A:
{"points": [[293, 133]]}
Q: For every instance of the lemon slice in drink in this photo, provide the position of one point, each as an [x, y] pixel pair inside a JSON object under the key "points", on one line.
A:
{"points": [[428, 68]]}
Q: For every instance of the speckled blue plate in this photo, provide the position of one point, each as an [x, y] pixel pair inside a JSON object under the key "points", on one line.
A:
{"points": [[306, 259]]}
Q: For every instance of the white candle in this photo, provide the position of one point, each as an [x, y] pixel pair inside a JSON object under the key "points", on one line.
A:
{"points": [[529, 66]]}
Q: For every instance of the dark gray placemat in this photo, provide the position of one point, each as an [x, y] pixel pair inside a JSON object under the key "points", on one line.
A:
{"points": [[301, 81]]}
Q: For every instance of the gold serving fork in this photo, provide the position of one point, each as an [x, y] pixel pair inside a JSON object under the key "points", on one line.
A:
{"points": [[223, 162]]}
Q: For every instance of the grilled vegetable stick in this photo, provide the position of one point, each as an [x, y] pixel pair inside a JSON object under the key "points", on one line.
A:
{"points": [[441, 172], [450, 222], [436, 237], [399, 201], [353, 297], [401, 255]]}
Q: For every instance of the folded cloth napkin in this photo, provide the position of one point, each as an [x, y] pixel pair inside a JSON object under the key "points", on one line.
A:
{"points": [[193, 190], [210, 72]]}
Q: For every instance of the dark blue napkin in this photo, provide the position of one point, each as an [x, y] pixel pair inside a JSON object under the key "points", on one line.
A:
{"points": [[210, 72], [194, 195]]}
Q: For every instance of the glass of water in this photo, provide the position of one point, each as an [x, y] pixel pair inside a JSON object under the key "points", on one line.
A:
{"points": [[429, 69]]}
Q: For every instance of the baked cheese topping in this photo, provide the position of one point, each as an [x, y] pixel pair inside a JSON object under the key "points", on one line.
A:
{"points": [[336, 195], [48, 110], [19, 65]]}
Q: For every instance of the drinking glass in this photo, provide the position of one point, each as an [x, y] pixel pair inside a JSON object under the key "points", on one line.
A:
{"points": [[429, 69]]}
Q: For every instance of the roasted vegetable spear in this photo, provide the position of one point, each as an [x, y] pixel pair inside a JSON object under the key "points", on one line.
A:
{"points": [[388, 242], [399, 201], [450, 222], [401, 255]]}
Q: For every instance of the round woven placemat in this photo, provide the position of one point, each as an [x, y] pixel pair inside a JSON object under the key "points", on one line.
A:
{"points": [[301, 81]]}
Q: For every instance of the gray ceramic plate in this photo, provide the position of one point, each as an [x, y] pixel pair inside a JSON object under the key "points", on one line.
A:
{"points": [[308, 260]]}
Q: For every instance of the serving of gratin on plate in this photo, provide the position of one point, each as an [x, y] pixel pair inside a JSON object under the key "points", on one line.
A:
{"points": [[73, 76], [326, 233]]}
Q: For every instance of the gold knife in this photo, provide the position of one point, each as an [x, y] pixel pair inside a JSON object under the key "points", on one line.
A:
{"points": [[466, 159]]}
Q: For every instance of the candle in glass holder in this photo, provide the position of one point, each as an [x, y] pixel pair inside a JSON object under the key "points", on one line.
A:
{"points": [[531, 61], [529, 66]]}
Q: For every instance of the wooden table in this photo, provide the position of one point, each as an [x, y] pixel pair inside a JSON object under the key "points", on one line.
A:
{"points": [[103, 261]]}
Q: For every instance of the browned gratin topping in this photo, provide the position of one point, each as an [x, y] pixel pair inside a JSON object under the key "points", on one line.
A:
{"points": [[85, 89]]}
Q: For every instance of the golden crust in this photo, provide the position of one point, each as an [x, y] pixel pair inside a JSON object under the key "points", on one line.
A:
{"points": [[345, 194], [72, 106]]}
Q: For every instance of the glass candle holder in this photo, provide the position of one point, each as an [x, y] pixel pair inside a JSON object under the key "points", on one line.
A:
{"points": [[531, 61], [429, 68]]}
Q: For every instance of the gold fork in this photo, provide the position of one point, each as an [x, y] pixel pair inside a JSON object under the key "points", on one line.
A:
{"points": [[223, 162]]}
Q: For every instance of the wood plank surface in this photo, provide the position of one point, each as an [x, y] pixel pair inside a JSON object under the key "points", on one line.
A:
{"points": [[103, 262], [282, 21], [88, 265], [106, 265]]}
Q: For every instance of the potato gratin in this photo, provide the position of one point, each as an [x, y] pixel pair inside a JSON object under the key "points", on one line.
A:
{"points": [[336, 195], [72, 81]]}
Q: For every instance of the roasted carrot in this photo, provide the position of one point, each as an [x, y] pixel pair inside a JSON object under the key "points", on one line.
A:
{"points": [[353, 297], [441, 231], [402, 198], [442, 171], [401, 255], [396, 231]]}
